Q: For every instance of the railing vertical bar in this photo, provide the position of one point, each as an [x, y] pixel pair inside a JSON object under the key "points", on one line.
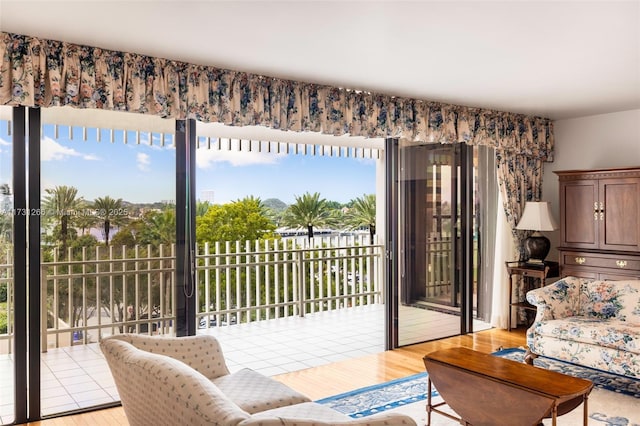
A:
{"points": [[361, 251], [151, 305], [255, 281], [161, 285], [267, 275], [247, 290], [69, 298], [125, 305], [286, 277], [276, 276], [300, 284], [312, 280], [229, 283], [321, 281], [218, 284], [56, 311], [174, 300], [44, 339], [98, 295], [207, 284], [84, 295], [112, 297]]}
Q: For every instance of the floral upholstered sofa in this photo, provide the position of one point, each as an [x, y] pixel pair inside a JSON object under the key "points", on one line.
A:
{"points": [[588, 322]]}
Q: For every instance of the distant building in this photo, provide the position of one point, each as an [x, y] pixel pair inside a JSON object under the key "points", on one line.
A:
{"points": [[207, 195]]}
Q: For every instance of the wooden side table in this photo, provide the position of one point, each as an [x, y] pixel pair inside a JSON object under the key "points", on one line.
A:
{"points": [[529, 270]]}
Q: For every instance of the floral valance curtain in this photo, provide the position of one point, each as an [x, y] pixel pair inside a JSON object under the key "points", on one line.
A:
{"points": [[42, 73]]}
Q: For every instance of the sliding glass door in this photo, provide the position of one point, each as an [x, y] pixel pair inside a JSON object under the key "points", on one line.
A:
{"points": [[440, 215]]}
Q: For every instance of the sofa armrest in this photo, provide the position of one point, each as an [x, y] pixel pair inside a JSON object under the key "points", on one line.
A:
{"points": [[558, 300], [203, 352]]}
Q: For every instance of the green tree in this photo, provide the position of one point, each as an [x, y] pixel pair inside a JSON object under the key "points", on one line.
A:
{"points": [[202, 207], [240, 220], [157, 227], [309, 211], [109, 212], [363, 214], [62, 205]]}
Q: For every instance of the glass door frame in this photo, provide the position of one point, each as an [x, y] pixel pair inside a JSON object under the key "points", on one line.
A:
{"points": [[26, 253], [463, 253], [28, 323]]}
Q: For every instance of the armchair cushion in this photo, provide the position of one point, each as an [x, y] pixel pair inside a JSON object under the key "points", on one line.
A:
{"points": [[254, 392]]}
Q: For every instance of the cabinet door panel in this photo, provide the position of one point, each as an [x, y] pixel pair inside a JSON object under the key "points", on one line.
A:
{"points": [[620, 223], [579, 225]]}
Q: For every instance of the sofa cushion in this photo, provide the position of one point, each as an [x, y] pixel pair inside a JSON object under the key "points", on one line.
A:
{"points": [[601, 299], [254, 392], [611, 333]]}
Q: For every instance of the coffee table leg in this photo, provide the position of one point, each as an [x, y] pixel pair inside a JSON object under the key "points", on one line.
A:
{"points": [[555, 415], [428, 401], [585, 420]]}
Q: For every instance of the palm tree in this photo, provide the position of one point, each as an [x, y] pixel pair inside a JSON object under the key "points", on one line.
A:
{"points": [[87, 219], [109, 212], [63, 203], [159, 227], [308, 211], [363, 213]]}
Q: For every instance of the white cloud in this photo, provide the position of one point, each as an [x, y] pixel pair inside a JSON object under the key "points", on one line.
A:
{"points": [[4, 142], [143, 161], [206, 158], [51, 150]]}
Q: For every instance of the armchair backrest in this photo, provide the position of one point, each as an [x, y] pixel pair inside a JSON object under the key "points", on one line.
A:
{"points": [[201, 352], [159, 390]]}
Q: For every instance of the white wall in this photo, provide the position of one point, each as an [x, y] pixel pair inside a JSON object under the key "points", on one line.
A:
{"points": [[593, 142]]}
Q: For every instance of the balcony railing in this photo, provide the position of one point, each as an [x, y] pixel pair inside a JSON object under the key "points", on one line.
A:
{"points": [[95, 292]]}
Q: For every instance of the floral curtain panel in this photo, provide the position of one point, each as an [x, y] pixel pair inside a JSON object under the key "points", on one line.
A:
{"points": [[520, 180], [41, 73]]}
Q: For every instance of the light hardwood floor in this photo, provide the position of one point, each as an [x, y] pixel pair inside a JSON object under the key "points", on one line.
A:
{"points": [[332, 379]]}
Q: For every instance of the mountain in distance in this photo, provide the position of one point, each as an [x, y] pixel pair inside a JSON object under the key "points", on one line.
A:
{"points": [[275, 204]]}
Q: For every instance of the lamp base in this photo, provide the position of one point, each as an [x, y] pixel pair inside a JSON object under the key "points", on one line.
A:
{"points": [[537, 248]]}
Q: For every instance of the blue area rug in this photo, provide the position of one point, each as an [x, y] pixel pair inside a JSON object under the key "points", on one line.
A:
{"points": [[408, 390], [377, 398]]}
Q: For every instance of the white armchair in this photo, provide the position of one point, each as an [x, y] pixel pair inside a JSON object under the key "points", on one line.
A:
{"points": [[168, 380]]}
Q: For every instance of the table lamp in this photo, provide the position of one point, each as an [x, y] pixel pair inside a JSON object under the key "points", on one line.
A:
{"points": [[537, 217]]}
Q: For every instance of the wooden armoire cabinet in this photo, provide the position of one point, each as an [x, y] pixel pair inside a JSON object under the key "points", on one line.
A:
{"points": [[600, 223]]}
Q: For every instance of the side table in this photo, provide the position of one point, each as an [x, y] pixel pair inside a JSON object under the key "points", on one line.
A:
{"points": [[529, 270]]}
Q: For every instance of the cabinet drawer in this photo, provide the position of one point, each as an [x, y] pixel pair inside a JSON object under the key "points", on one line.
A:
{"points": [[597, 260]]}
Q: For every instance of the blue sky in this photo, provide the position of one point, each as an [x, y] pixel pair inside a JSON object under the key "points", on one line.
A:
{"points": [[144, 173]]}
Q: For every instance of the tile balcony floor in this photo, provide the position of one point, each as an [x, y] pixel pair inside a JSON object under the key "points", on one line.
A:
{"points": [[77, 377]]}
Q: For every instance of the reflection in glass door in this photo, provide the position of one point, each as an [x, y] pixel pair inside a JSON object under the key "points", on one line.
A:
{"points": [[439, 212]]}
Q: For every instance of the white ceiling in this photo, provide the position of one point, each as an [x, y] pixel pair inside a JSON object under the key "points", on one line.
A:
{"points": [[557, 59]]}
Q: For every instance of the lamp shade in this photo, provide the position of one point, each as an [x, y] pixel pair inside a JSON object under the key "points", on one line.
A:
{"points": [[537, 217]]}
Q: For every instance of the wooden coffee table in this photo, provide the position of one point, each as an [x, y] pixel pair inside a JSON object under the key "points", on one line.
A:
{"points": [[484, 389]]}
